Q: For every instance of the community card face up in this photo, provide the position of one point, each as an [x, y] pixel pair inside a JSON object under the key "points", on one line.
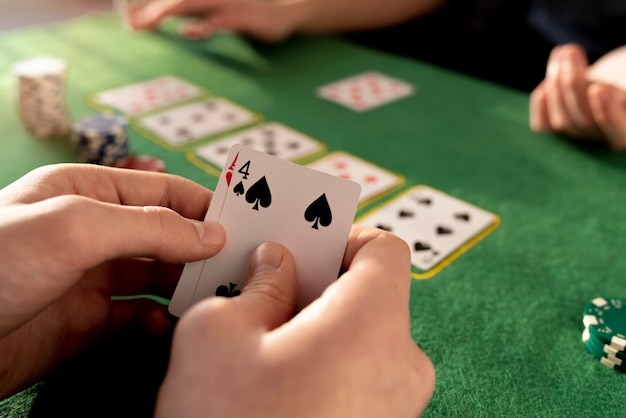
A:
{"points": [[374, 180], [197, 120], [434, 224], [366, 91], [272, 138], [145, 96]]}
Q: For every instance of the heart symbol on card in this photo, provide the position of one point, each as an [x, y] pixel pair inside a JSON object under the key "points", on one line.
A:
{"points": [[229, 177]]}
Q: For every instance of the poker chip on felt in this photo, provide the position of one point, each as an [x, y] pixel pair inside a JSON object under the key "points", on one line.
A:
{"points": [[606, 320], [603, 336], [41, 96], [142, 162], [101, 139]]}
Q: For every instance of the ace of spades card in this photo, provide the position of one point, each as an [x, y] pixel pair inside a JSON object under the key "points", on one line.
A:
{"points": [[436, 226], [262, 198]]}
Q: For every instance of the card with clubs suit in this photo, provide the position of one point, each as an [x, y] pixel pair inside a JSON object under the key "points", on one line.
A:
{"points": [[272, 138], [437, 226], [262, 198], [181, 125]]}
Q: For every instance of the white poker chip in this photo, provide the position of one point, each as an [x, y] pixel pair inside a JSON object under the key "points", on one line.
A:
{"points": [[40, 67]]}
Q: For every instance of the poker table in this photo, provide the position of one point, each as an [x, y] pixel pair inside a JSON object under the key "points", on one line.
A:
{"points": [[502, 322]]}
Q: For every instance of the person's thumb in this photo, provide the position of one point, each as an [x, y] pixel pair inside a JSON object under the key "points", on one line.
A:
{"points": [[270, 294]]}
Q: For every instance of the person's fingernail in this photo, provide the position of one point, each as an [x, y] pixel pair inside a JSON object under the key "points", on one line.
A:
{"points": [[210, 233], [267, 257]]}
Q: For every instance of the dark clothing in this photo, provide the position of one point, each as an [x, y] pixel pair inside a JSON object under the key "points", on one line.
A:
{"points": [[598, 25], [504, 41]]}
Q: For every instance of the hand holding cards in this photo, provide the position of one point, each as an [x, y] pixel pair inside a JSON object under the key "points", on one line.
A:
{"points": [[261, 198]]}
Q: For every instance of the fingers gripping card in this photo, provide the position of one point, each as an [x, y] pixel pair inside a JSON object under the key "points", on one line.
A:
{"points": [[436, 226], [261, 198]]}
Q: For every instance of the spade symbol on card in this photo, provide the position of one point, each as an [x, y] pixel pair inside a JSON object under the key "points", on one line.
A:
{"points": [[405, 213], [319, 212], [421, 246], [259, 194], [226, 291], [442, 230], [462, 216], [238, 189]]}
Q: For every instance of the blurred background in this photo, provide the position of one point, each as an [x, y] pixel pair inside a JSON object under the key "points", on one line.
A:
{"points": [[17, 13]]}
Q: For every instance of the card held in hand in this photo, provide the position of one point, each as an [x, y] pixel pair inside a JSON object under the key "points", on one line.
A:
{"points": [[261, 198]]}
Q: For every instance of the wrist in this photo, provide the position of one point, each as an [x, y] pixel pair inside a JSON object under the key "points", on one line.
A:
{"points": [[296, 17]]}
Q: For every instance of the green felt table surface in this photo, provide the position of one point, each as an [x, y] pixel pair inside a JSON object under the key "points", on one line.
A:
{"points": [[502, 323]]}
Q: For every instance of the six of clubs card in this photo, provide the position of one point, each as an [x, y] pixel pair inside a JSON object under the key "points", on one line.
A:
{"points": [[435, 225], [263, 198]]}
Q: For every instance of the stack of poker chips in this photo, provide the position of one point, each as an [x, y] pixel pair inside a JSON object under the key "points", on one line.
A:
{"points": [[604, 335], [41, 97], [101, 139]]}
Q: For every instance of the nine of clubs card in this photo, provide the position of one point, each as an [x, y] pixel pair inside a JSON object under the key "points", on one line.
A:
{"points": [[436, 226], [262, 198]]}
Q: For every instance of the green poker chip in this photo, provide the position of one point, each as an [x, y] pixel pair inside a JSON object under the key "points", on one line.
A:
{"points": [[595, 348], [598, 347], [605, 317]]}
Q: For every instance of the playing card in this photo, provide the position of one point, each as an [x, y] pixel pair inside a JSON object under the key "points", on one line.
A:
{"points": [[145, 96], [374, 180], [197, 120], [435, 225], [262, 198], [365, 91], [272, 138]]}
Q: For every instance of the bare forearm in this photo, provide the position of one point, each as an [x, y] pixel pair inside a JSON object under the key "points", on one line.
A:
{"points": [[332, 16]]}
